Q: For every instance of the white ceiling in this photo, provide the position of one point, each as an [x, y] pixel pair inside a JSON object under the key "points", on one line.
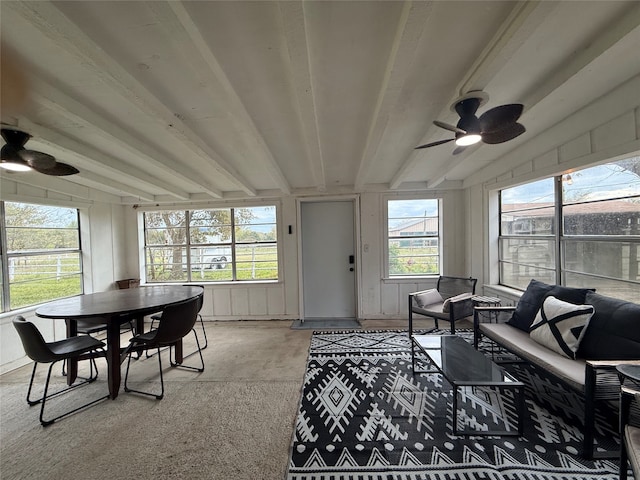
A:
{"points": [[194, 101]]}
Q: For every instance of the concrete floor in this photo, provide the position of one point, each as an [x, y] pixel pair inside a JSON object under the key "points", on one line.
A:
{"points": [[240, 350], [238, 414]]}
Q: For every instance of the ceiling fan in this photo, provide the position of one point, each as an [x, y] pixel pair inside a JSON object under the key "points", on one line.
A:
{"points": [[497, 125], [16, 158]]}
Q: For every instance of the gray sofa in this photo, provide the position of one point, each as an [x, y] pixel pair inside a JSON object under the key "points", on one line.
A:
{"points": [[630, 432], [611, 337]]}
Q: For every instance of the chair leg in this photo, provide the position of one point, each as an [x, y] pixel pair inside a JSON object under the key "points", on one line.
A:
{"points": [[198, 350], [623, 459], [43, 399], [204, 333], [150, 394]]}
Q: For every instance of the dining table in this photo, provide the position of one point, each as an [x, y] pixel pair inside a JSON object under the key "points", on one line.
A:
{"points": [[113, 308]]}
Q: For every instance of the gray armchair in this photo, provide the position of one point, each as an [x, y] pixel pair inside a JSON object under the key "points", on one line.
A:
{"points": [[450, 301]]}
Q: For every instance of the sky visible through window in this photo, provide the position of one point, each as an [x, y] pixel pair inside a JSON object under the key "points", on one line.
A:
{"points": [[399, 211], [612, 180]]}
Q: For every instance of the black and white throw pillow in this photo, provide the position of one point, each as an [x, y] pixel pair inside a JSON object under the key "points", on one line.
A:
{"points": [[560, 325]]}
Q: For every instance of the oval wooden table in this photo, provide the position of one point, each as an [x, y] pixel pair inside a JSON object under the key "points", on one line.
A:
{"points": [[115, 307]]}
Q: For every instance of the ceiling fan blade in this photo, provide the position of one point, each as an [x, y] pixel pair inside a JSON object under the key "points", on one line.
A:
{"points": [[433, 144], [499, 117], [503, 135], [446, 126], [58, 170], [459, 150], [39, 159]]}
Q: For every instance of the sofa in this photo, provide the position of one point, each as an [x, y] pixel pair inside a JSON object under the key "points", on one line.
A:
{"points": [[629, 432], [449, 301], [576, 335]]}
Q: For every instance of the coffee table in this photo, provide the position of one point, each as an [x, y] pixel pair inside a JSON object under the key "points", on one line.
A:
{"points": [[464, 366]]}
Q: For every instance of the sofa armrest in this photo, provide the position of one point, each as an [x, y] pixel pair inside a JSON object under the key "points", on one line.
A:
{"points": [[602, 382]]}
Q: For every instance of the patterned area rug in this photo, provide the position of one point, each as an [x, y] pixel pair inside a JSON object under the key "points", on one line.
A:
{"points": [[364, 415]]}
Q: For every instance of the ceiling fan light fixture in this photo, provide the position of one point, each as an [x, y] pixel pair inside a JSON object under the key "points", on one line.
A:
{"points": [[468, 139], [10, 160], [14, 166]]}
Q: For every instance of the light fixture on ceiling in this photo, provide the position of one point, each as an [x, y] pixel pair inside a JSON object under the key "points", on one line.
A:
{"points": [[10, 160], [567, 180], [468, 139], [471, 126]]}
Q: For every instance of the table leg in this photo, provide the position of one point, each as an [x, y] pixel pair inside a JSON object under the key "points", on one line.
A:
{"points": [[113, 357], [72, 364], [179, 352]]}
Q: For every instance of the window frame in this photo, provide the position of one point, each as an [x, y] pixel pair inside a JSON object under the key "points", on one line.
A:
{"points": [[6, 256], [386, 237], [233, 244], [561, 239]]}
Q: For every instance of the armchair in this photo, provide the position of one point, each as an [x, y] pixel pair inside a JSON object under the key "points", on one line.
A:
{"points": [[450, 301]]}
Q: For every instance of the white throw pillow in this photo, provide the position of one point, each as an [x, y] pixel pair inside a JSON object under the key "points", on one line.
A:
{"points": [[561, 326], [427, 297]]}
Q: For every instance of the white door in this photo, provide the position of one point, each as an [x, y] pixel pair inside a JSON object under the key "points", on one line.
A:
{"points": [[328, 262]]}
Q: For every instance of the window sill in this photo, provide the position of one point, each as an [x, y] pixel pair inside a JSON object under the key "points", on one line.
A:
{"points": [[416, 279]]}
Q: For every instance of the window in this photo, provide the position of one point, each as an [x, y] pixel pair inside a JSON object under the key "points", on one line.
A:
{"points": [[212, 245], [596, 214], [41, 255], [413, 236]]}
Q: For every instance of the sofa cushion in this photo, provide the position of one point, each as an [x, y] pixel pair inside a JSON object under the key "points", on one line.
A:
{"points": [[427, 297], [561, 326], [447, 303], [521, 343], [614, 330], [531, 301]]}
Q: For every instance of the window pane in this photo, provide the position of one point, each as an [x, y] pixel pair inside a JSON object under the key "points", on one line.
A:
{"points": [[211, 258], [413, 229], [609, 217], [41, 278], [618, 260], [216, 239], [165, 228], [413, 256], [255, 215], [35, 227], [538, 253], [210, 226], [528, 209], [257, 262], [612, 180], [514, 276], [605, 286], [413, 217], [521, 260], [255, 224], [165, 264], [603, 200]]}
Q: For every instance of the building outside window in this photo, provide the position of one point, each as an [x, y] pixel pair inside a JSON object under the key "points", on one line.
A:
{"points": [[413, 237], [211, 245], [41, 254], [579, 229]]}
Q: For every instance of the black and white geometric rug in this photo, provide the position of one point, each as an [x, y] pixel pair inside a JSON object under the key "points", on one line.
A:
{"points": [[364, 415]]}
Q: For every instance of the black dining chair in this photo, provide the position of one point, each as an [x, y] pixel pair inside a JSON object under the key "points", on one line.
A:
{"points": [[92, 327], [52, 352], [177, 321], [157, 317]]}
